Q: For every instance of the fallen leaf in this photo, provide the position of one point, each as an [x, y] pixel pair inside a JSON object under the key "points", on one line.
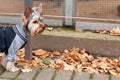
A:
{"points": [[39, 52], [50, 28], [58, 29], [113, 72], [60, 66], [75, 56], [37, 59], [102, 31], [56, 53], [79, 67], [46, 60], [26, 69], [73, 60], [68, 67], [66, 51], [52, 64], [35, 64]]}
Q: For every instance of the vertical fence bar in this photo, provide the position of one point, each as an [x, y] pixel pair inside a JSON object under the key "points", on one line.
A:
{"points": [[28, 49], [69, 10], [28, 3]]}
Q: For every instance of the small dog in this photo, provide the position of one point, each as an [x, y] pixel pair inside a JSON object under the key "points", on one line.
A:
{"points": [[14, 38]]}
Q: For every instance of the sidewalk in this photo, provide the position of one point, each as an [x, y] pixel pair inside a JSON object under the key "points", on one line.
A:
{"points": [[52, 74]]}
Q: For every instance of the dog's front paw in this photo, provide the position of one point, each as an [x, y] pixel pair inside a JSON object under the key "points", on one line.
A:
{"points": [[11, 67]]}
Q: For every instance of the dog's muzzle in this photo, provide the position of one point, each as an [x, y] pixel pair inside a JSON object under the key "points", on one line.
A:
{"points": [[43, 25]]}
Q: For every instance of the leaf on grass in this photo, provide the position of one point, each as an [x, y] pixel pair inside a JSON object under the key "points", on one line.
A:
{"points": [[47, 60], [102, 31], [59, 29], [115, 31], [50, 28]]}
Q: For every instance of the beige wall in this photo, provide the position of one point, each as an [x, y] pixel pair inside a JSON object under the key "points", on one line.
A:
{"points": [[11, 6]]}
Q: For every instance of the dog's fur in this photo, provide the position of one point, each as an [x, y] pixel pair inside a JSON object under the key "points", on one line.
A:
{"points": [[32, 23]]}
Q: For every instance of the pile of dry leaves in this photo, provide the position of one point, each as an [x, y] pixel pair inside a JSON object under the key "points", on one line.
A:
{"points": [[73, 60], [113, 32]]}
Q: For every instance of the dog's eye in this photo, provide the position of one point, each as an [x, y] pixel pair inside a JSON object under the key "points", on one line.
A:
{"points": [[35, 21]]}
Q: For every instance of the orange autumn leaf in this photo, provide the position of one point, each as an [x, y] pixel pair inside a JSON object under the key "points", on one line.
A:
{"points": [[35, 64], [113, 72], [115, 30], [59, 66], [56, 53], [39, 52], [75, 57], [73, 60]]}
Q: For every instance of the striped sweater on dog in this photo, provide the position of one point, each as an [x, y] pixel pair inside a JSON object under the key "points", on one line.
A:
{"points": [[12, 39]]}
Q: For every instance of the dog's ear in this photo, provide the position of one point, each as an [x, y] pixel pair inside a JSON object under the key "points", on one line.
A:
{"points": [[28, 12], [40, 8], [26, 15]]}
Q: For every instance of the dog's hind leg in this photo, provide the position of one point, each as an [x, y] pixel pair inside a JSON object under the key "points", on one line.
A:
{"points": [[8, 65], [4, 60]]}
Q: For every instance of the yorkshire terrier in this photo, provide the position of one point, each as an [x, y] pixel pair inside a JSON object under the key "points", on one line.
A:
{"points": [[13, 38]]}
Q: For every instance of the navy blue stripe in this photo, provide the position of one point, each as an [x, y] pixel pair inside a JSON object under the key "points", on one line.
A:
{"points": [[24, 39]]}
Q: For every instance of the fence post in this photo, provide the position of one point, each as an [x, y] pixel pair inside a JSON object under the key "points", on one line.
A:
{"points": [[69, 10], [28, 49]]}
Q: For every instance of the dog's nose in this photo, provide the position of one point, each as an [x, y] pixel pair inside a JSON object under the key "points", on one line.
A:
{"points": [[45, 25]]}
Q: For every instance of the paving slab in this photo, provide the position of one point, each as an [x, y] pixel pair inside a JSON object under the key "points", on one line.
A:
{"points": [[10, 75], [5, 79], [63, 75], [100, 77], [81, 76], [1, 69], [29, 75], [51, 74], [115, 78], [45, 74]]}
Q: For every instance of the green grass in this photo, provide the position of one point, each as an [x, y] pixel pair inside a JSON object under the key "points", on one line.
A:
{"points": [[66, 29], [54, 75], [70, 32], [91, 76]]}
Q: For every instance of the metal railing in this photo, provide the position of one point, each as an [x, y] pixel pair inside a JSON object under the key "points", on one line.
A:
{"points": [[70, 12]]}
